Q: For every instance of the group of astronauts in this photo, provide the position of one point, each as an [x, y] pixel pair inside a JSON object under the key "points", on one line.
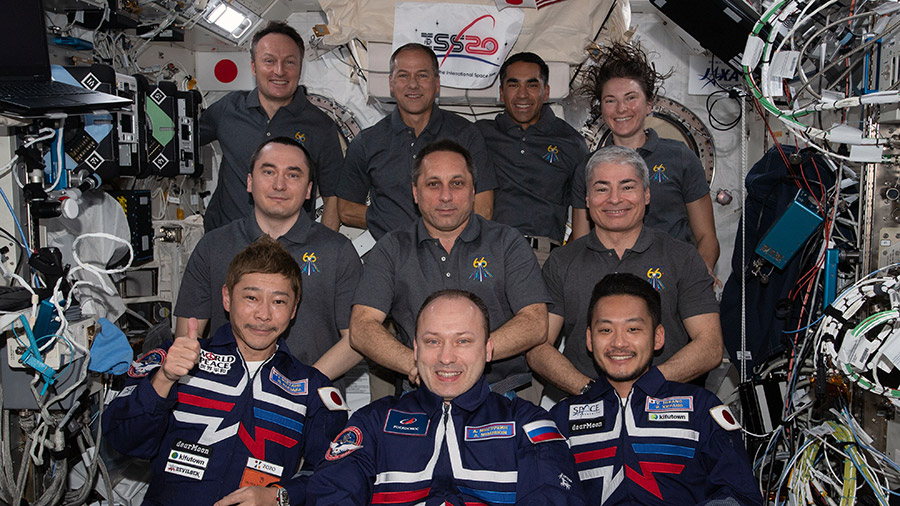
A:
{"points": [[458, 309]]}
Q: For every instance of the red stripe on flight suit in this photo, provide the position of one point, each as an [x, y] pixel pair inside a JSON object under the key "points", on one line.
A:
{"points": [[203, 402], [595, 455], [647, 480], [399, 497], [257, 445]]}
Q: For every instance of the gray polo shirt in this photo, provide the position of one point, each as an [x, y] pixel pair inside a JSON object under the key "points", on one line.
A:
{"points": [[535, 171], [673, 267], [240, 124], [331, 271], [489, 259], [677, 178], [380, 159]]}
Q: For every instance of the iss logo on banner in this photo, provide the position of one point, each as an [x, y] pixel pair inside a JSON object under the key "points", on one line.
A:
{"points": [[470, 41]]}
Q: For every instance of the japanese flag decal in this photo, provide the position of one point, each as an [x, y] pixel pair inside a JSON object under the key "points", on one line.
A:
{"points": [[723, 416], [332, 399]]}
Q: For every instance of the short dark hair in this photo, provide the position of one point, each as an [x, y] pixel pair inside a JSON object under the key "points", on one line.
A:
{"points": [[623, 283], [442, 145], [527, 58], [415, 46], [284, 141], [459, 294], [625, 60], [265, 256], [277, 27]]}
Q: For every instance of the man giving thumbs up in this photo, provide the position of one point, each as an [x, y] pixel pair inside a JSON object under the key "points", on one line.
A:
{"points": [[227, 420]]}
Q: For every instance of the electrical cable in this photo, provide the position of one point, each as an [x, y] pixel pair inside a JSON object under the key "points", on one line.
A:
{"points": [[43, 134], [7, 481], [38, 433], [742, 358], [20, 249], [716, 123], [102, 235], [790, 118], [804, 328]]}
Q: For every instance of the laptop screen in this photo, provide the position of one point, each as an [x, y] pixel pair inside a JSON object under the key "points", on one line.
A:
{"points": [[24, 41]]}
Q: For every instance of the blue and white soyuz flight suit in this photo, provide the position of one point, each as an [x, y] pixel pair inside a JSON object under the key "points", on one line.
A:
{"points": [[670, 443], [481, 449], [220, 428]]}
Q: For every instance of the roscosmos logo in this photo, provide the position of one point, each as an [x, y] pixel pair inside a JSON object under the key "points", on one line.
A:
{"points": [[465, 44]]}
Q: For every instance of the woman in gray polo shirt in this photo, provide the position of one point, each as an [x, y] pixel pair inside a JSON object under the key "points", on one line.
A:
{"points": [[623, 87]]}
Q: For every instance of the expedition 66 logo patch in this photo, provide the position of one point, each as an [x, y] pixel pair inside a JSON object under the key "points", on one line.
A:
{"points": [[147, 362], [345, 443]]}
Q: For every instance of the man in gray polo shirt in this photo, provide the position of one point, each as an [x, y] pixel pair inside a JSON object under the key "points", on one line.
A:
{"points": [[380, 158], [618, 192], [279, 182], [677, 180], [450, 247], [241, 120], [537, 156]]}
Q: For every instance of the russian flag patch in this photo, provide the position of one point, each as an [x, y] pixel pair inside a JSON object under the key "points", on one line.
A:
{"points": [[542, 431]]}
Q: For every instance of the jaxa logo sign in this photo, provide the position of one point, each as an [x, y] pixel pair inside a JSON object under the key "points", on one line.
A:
{"points": [[470, 41]]}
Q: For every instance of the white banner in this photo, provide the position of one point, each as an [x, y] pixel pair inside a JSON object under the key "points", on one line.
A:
{"points": [[470, 41]]}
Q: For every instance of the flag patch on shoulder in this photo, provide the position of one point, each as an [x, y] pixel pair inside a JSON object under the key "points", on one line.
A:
{"points": [[542, 431]]}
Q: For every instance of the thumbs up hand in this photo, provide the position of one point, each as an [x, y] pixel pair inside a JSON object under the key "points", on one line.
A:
{"points": [[181, 357]]}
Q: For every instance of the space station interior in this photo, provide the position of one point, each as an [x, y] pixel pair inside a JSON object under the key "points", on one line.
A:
{"points": [[792, 107]]}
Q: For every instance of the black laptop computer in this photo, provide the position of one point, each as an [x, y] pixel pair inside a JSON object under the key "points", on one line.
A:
{"points": [[26, 88]]}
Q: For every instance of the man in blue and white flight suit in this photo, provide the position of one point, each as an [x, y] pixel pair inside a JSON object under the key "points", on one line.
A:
{"points": [[227, 420], [452, 441], [637, 438]]}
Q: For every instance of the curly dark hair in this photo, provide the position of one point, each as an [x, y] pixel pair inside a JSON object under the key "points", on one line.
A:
{"points": [[625, 60]]}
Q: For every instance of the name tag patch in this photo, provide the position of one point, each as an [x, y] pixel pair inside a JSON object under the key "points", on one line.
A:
{"points": [[196, 448], [586, 426], [297, 387], [214, 363], [188, 459], [260, 473], [585, 411], [669, 417], [266, 467], [186, 471], [684, 403], [406, 424], [501, 430], [146, 363]]}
